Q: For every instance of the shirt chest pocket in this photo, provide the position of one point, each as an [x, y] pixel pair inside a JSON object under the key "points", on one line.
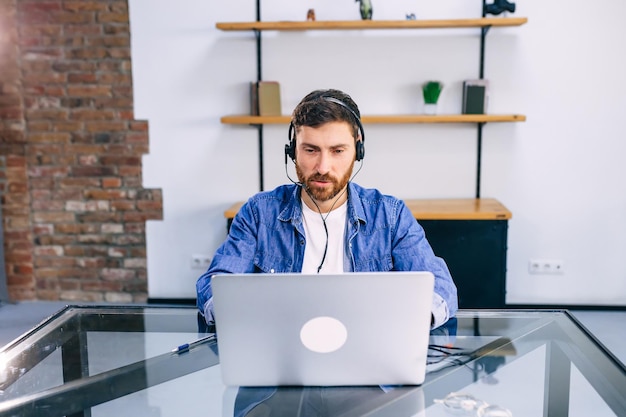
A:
{"points": [[272, 263], [372, 264], [371, 250]]}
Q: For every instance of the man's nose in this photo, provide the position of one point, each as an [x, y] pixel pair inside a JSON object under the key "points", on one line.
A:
{"points": [[323, 163]]}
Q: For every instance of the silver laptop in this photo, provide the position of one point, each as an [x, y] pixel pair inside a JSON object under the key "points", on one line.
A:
{"points": [[323, 330]]}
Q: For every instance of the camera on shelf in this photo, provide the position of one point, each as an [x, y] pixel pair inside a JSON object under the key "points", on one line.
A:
{"points": [[499, 6]]}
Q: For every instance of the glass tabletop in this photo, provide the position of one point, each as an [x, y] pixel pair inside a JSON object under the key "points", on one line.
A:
{"points": [[122, 361]]}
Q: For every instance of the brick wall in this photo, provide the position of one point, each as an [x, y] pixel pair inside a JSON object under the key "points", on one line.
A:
{"points": [[73, 205]]}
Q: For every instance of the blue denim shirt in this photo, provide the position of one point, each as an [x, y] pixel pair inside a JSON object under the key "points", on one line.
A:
{"points": [[267, 235]]}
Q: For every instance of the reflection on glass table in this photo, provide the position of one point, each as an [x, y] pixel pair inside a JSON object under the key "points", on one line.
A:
{"points": [[118, 361]]}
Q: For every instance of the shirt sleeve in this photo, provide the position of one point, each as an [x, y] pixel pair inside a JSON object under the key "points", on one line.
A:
{"points": [[235, 255], [207, 311], [412, 252], [439, 310]]}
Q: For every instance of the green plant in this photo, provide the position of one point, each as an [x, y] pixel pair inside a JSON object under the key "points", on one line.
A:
{"points": [[432, 90]]}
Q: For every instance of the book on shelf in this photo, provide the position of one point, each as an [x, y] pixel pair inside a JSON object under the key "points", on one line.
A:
{"points": [[265, 98], [475, 96]]}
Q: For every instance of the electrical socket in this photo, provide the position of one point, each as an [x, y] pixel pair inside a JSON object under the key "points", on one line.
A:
{"points": [[200, 261], [546, 266]]}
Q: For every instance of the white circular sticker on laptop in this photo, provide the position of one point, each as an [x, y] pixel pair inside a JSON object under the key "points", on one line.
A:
{"points": [[323, 334]]}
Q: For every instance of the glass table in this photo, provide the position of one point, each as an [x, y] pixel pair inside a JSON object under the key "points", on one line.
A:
{"points": [[119, 361]]}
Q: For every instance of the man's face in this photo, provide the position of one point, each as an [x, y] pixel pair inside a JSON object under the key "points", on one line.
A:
{"points": [[324, 158]]}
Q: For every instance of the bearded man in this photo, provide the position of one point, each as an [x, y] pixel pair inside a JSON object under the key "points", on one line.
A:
{"points": [[324, 223]]}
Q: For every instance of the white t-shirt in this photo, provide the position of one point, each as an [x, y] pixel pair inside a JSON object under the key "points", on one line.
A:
{"points": [[316, 240]]}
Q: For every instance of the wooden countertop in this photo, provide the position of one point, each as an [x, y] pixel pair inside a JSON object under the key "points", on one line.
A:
{"points": [[440, 209]]}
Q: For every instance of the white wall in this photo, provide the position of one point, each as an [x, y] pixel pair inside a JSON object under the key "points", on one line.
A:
{"points": [[561, 173]]}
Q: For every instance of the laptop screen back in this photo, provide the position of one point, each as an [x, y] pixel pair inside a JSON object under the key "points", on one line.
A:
{"points": [[325, 330]]}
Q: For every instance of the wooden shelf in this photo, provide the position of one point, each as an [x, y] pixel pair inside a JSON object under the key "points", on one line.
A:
{"points": [[458, 209], [386, 119], [372, 24], [440, 209]]}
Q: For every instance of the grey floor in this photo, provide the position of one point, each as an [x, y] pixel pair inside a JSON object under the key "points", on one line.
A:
{"points": [[609, 327]]}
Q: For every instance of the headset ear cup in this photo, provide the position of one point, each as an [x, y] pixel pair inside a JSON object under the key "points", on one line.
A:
{"points": [[290, 150], [360, 150], [290, 147]]}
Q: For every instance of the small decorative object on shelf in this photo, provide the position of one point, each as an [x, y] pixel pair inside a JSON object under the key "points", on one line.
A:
{"points": [[431, 91], [499, 6], [410, 16], [366, 9], [310, 15]]}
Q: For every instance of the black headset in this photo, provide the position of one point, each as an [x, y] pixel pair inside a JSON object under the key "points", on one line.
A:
{"points": [[290, 148]]}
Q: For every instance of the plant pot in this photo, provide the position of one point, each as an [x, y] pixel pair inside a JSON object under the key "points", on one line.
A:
{"points": [[430, 108]]}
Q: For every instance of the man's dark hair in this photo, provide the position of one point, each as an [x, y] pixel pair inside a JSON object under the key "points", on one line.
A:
{"points": [[320, 107]]}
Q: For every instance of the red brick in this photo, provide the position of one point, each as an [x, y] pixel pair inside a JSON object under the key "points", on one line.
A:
{"points": [[74, 18], [47, 114], [17, 187], [39, 7], [64, 66], [115, 29], [98, 217], [58, 261], [52, 171], [91, 114], [69, 284], [48, 137], [119, 274], [143, 216], [14, 280], [101, 286], [61, 126], [48, 53], [48, 251], [121, 160], [106, 126], [97, 194], [143, 205], [123, 205], [112, 182], [41, 205], [126, 115], [76, 6], [113, 18], [81, 78], [41, 30], [96, 262], [53, 217], [88, 90], [86, 30], [87, 171], [129, 171], [124, 240], [114, 78], [87, 53]]}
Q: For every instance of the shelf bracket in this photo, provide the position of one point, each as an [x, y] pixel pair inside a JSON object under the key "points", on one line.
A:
{"points": [[259, 77], [479, 152], [481, 75]]}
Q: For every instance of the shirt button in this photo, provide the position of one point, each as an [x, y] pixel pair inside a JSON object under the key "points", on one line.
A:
{"points": [[272, 271]]}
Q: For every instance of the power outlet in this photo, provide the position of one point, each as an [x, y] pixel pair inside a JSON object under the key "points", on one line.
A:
{"points": [[546, 266], [200, 261]]}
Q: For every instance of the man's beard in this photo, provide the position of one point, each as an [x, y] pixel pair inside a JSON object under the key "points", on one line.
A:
{"points": [[324, 194]]}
